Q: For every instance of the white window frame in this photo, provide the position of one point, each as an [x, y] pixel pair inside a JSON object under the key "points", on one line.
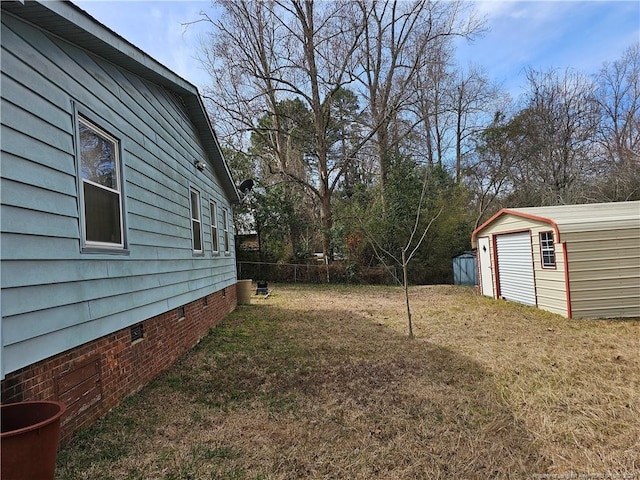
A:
{"points": [[196, 219], [547, 250], [99, 132], [215, 240], [225, 226]]}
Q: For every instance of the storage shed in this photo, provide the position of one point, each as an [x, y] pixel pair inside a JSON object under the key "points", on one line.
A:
{"points": [[465, 269], [580, 261]]}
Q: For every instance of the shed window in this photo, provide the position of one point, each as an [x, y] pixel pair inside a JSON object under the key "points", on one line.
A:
{"points": [[101, 187], [547, 250], [196, 223], [214, 226]]}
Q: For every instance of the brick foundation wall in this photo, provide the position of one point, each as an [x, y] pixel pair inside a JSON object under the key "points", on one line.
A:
{"points": [[95, 377]]}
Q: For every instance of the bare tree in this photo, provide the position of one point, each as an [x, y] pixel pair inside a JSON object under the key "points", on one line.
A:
{"points": [[261, 53], [401, 42], [618, 95], [474, 99], [410, 244], [432, 107], [489, 175], [558, 127]]}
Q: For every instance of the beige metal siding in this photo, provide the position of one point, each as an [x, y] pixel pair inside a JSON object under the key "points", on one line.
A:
{"points": [[604, 272], [506, 224], [603, 256], [589, 217], [549, 283]]}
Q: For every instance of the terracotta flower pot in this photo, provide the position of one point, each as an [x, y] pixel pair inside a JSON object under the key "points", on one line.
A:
{"points": [[29, 439]]}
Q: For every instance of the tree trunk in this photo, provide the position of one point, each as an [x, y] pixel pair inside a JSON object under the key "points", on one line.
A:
{"points": [[459, 141], [326, 220], [405, 279]]}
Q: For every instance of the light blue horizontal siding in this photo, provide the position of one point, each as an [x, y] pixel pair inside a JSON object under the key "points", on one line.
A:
{"points": [[27, 100], [30, 197], [24, 145], [53, 271], [175, 286], [37, 82], [32, 222], [17, 355], [54, 297], [17, 119], [27, 172], [154, 194], [56, 271], [20, 246]]}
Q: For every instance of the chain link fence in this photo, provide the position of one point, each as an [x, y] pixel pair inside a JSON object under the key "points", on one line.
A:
{"points": [[319, 273]]}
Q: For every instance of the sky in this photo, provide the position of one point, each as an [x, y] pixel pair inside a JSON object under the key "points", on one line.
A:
{"points": [[543, 34]]}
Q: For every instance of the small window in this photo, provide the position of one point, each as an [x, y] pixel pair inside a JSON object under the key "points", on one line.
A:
{"points": [[547, 250], [214, 227], [196, 223], [101, 187], [225, 226]]}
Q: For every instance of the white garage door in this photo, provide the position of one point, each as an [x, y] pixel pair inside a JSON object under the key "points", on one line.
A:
{"points": [[515, 268]]}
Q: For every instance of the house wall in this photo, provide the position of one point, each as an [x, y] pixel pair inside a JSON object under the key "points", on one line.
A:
{"points": [[94, 377], [54, 297], [604, 271], [549, 283]]}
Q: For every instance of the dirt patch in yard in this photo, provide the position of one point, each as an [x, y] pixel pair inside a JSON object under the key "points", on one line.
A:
{"points": [[322, 382]]}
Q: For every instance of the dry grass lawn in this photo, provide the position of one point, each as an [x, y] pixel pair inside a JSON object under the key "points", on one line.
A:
{"points": [[322, 382]]}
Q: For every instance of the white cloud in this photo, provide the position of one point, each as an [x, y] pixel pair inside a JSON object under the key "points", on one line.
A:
{"points": [[157, 28], [539, 34], [550, 34], [182, 42], [156, 13], [494, 8]]}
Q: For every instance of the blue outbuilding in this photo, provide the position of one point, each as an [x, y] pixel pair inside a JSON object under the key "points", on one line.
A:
{"points": [[464, 269]]}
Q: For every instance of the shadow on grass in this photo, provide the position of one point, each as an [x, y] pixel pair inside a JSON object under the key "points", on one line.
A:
{"points": [[285, 393]]}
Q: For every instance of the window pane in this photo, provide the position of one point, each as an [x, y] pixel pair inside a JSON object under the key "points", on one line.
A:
{"points": [[214, 226], [548, 258], [214, 239], [102, 214], [197, 237], [225, 226], [547, 249], [98, 158], [195, 205], [196, 227]]}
